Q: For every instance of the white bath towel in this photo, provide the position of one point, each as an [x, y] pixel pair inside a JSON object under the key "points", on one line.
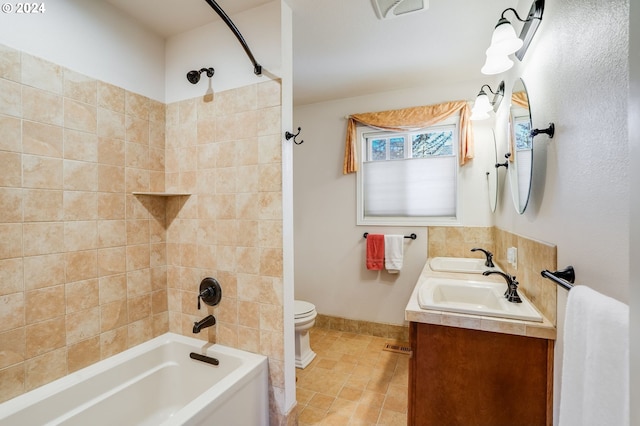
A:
{"points": [[393, 253], [595, 365]]}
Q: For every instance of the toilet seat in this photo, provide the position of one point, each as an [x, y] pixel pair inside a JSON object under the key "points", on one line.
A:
{"points": [[303, 309]]}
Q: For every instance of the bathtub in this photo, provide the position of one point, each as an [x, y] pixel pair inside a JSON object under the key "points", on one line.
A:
{"points": [[155, 383]]}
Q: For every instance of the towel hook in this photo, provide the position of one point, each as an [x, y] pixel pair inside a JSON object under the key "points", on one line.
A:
{"points": [[288, 135]]}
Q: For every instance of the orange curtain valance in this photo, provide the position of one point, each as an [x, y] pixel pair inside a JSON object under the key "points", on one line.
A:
{"points": [[408, 119], [520, 99]]}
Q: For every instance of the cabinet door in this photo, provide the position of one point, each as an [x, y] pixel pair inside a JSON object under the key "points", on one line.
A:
{"points": [[468, 377]]}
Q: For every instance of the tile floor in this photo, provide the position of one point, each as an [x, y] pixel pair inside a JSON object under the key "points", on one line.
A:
{"points": [[352, 381]]}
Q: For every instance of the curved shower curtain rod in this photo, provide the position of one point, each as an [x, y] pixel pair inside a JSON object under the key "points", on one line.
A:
{"points": [[257, 68]]}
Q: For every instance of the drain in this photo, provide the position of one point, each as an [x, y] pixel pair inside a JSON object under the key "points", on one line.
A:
{"points": [[401, 349]]}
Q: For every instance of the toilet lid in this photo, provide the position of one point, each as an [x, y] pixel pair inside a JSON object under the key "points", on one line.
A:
{"points": [[303, 309]]}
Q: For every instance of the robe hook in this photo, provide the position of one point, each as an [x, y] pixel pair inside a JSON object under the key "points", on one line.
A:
{"points": [[288, 135]]}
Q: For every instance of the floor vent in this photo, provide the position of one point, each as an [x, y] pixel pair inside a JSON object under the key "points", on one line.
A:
{"points": [[401, 349]]}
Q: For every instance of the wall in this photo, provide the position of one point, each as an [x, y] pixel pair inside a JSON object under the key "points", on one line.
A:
{"points": [[576, 75], [580, 192], [227, 155], [214, 45], [82, 263], [118, 50], [330, 249]]}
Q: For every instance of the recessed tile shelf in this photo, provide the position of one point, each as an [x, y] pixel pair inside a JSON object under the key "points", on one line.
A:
{"points": [[163, 194]]}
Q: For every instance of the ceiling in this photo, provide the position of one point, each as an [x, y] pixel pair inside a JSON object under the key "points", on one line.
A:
{"points": [[341, 49]]}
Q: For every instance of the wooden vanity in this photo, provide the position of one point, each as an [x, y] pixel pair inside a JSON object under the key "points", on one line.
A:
{"points": [[475, 370]]}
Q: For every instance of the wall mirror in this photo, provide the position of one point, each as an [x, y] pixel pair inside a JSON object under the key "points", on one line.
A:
{"points": [[492, 174], [520, 146]]}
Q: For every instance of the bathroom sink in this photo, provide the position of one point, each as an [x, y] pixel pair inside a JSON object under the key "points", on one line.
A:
{"points": [[459, 264], [473, 297]]}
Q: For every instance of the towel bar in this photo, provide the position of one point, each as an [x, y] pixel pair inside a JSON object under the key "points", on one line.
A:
{"points": [[412, 236], [565, 278]]}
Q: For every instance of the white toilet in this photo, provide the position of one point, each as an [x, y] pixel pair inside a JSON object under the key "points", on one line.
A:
{"points": [[305, 317]]}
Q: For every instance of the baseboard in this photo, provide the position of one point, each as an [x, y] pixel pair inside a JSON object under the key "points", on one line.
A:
{"points": [[389, 331]]}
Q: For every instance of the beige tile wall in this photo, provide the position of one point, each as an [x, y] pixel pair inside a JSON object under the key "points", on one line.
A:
{"points": [[82, 261], [533, 257], [86, 268], [227, 154], [390, 331], [456, 241]]}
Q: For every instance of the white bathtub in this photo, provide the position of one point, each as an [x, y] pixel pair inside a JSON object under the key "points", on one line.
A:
{"points": [[155, 383]]}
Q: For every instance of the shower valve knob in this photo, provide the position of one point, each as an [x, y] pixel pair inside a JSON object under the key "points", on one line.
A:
{"points": [[210, 292]]}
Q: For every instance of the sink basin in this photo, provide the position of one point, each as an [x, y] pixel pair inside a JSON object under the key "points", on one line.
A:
{"points": [[459, 264], [473, 297]]}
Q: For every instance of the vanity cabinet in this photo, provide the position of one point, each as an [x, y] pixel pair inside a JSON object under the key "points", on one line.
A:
{"points": [[460, 376]]}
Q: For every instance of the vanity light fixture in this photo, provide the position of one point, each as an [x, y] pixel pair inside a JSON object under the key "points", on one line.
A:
{"points": [[504, 41], [483, 106]]}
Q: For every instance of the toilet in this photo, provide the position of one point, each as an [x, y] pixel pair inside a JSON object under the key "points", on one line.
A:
{"points": [[305, 317]]}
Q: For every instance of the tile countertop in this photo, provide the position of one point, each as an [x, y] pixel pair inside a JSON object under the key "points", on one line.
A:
{"points": [[414, 313]]}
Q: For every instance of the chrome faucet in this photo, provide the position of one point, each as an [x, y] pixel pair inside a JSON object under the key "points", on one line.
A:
{"points": [[207, 321], [489, 262], [512, 286]]}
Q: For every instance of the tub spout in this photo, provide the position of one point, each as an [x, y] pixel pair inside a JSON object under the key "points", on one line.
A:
{"points": [[207, 321]]}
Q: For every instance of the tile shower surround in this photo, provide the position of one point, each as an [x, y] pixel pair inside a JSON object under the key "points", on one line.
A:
{"points": [[87, 269]]}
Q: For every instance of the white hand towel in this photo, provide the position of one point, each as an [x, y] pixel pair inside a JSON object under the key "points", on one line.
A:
{"points": [[595, 364], [393, 253]]}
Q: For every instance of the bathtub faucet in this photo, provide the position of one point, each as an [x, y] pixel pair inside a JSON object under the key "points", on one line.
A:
{"points": [[207, 321]]}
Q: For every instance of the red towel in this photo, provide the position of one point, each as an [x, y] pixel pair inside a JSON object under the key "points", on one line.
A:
{"points": [[375, 252]]}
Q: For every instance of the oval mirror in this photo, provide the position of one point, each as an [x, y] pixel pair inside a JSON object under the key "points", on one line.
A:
{"points": [[520, 146], [492, 174]]}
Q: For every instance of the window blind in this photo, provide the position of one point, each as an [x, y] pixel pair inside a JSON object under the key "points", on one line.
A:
{"points": [[410, 188]]}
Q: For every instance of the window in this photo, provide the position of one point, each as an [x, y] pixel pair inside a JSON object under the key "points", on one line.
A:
{"points": [[408, 177], [523, 155], [522, 130]]}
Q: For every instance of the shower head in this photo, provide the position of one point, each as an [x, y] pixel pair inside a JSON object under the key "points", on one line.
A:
{"points": [[194, 76]]}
